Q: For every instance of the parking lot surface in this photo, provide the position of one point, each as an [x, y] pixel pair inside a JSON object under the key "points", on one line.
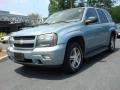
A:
{"points": [[100, 72]]}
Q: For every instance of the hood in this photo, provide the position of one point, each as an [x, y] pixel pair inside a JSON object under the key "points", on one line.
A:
{"points": [[55, 28]]}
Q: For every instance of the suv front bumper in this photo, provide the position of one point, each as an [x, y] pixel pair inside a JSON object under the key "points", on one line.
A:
{"points": [[39, 56]]}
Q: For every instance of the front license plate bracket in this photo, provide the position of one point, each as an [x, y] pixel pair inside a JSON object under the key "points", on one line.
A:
{"points": [[19, 56]]}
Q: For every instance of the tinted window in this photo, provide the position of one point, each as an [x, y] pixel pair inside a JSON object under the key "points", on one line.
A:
{"points": [[108, 16], [91, 13], [102, 16]]}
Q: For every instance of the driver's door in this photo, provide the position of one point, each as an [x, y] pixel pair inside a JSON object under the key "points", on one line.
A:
{"points": [[92, 31]]}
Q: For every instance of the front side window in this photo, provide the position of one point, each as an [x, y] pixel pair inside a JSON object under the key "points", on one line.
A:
{"points": [[67, 15], [91, 13]]}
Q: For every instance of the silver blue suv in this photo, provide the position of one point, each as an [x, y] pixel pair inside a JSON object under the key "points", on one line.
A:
{"points": [[66, 38]]}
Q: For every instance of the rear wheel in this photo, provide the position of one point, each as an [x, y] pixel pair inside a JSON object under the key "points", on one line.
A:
{"points": [[73, 58], [112, 43]]}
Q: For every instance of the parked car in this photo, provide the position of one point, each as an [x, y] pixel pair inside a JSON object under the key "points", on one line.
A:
{"points": [[4, 39], [118, 31], [65, 39]]}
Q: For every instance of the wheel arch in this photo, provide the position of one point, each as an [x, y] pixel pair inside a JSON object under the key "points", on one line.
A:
{"points": [[78, 39], [66, 63], [113, 32]]}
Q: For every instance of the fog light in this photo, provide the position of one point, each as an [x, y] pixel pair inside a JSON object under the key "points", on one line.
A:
{"points": [[36, 61], [46, 57]]}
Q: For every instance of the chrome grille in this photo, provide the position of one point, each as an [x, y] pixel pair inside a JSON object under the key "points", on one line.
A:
{"points": [[25, 38], [24, 42]]}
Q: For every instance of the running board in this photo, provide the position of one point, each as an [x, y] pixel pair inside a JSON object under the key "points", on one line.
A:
{"points": [[95, 52]]}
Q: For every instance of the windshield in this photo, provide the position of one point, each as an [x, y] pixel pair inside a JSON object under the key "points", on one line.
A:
{"points": [[67, 15]]}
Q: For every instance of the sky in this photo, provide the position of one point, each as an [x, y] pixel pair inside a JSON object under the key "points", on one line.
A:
{"points": [[117, 3], [25, 7]]}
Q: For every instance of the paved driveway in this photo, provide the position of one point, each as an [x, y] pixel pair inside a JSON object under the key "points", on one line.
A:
{"points": [[4, 46], [101, 72]]}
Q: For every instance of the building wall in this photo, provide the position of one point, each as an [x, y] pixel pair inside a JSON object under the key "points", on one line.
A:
{"points": [[10, 22]]}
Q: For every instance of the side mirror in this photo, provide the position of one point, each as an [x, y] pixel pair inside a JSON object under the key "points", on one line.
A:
{"points": [[91, 20]]}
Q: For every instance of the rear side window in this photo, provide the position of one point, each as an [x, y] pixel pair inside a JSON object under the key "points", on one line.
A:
{"points": [[91, 13], [102, 16], [108, 16]]}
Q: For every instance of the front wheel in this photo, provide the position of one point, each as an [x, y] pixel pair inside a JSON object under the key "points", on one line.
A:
{"points": [[73, 58], [112, 43]]}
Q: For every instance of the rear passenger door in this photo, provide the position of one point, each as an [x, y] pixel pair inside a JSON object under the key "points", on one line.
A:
{"points": [[104, 23]]}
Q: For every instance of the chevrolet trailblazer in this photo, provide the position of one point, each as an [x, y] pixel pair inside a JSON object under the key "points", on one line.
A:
{"points": [[66, 38]]}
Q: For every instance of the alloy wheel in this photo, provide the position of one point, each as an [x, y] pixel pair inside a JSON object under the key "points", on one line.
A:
{"points": [[75, 58]]}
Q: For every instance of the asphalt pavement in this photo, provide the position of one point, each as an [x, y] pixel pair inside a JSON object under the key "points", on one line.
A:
{"points": [[4, 46], [101, 72]]}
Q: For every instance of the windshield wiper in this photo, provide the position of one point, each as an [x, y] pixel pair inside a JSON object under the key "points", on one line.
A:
{"points": [[45, 24], [60, 22], [74, 20], [68, 21]]}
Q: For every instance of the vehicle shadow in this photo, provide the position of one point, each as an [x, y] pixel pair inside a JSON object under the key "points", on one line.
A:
{"points": [[98, 58], [58, 73]]}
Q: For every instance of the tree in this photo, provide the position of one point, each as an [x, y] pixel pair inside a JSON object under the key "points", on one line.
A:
{"points": [[53, 7], [101, 3], [114, 12], [36, 19], [58, 5]]}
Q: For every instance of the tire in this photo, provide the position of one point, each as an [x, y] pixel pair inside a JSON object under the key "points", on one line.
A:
{"points": [[111, 46], [73, 58]]}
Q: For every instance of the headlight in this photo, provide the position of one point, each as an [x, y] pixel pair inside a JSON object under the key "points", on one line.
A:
{"points": [[47, 40]]}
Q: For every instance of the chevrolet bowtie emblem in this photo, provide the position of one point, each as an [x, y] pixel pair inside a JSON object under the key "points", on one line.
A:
{"points": [[21, 42]]}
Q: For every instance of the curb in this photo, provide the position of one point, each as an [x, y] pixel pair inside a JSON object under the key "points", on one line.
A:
{"points": [[2, 59]]}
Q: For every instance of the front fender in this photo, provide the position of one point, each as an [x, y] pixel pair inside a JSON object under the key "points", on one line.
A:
{"points": [[64, 37]]}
